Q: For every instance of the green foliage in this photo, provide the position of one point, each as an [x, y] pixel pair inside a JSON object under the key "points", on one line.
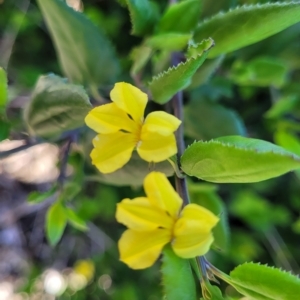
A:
{"points": [[216, 120], [206, 71], [237, 159], [70, 190], [4, 125], [257, 212], [261, 282], [180, 17], [56, 221], [261, 71], [246, 25], [168, 41], [75, 220], [211, 292], [3, 88], [287, 140], [102, 204], [140, 56], [168, 83], [56, 106], [178, 282], [4, 129], [282, 106], [38, 197], [143, 14], [85, 54], [252, 92], [243, 246]]}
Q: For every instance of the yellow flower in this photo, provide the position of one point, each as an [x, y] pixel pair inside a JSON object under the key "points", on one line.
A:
{"points": [[121, 128], [157, 219]]}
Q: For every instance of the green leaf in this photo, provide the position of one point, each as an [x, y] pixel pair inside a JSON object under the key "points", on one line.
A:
{"points": [[161, 60], [167, 84], [177, 277], [236, 159], [75, 220], [244, 246], [206, 196], [140, 56], [261, 282], [168, 41], [70, 190], [257, 212], [133, 173], [38, 197], [56, 106], [282, 106], [56, 222], [143, 14], [181, 17], [246, 25], [214, 90], [212, 292], [3, 88], [206, 71], [85, 54], [287, 140], [261, 71], [4, 129], [215, 121]]}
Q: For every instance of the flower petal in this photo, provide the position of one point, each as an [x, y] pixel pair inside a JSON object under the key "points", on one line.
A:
{"points": [[108, 118], [204, 217], [112, 151], [130, 99], [140, 250], [138, 214], [189, 246], [154, 147], [192, 231], [161, 194], [161, 122]]}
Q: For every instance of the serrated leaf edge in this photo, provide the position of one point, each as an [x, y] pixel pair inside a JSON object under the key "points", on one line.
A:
{"points": [[288, 273], [64, 84], [246, 7], [292, 155], [134, 30], [170, 69]]}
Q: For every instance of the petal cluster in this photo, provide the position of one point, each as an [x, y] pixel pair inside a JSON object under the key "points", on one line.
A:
{"points": [[121, 128], [157, 219]]}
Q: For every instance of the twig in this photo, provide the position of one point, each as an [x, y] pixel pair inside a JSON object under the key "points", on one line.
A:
{"points": [[23, 210], [4, 154], [65, 156]]}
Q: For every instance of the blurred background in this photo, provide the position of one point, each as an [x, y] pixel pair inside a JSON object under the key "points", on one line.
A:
{"points": [[254, 91]]}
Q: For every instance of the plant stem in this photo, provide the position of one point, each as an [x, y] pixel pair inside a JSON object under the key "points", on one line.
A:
{"points": [[218, 273], [177, 103], [4, 154], [180, 182], [181, 185], [65, 155]]}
